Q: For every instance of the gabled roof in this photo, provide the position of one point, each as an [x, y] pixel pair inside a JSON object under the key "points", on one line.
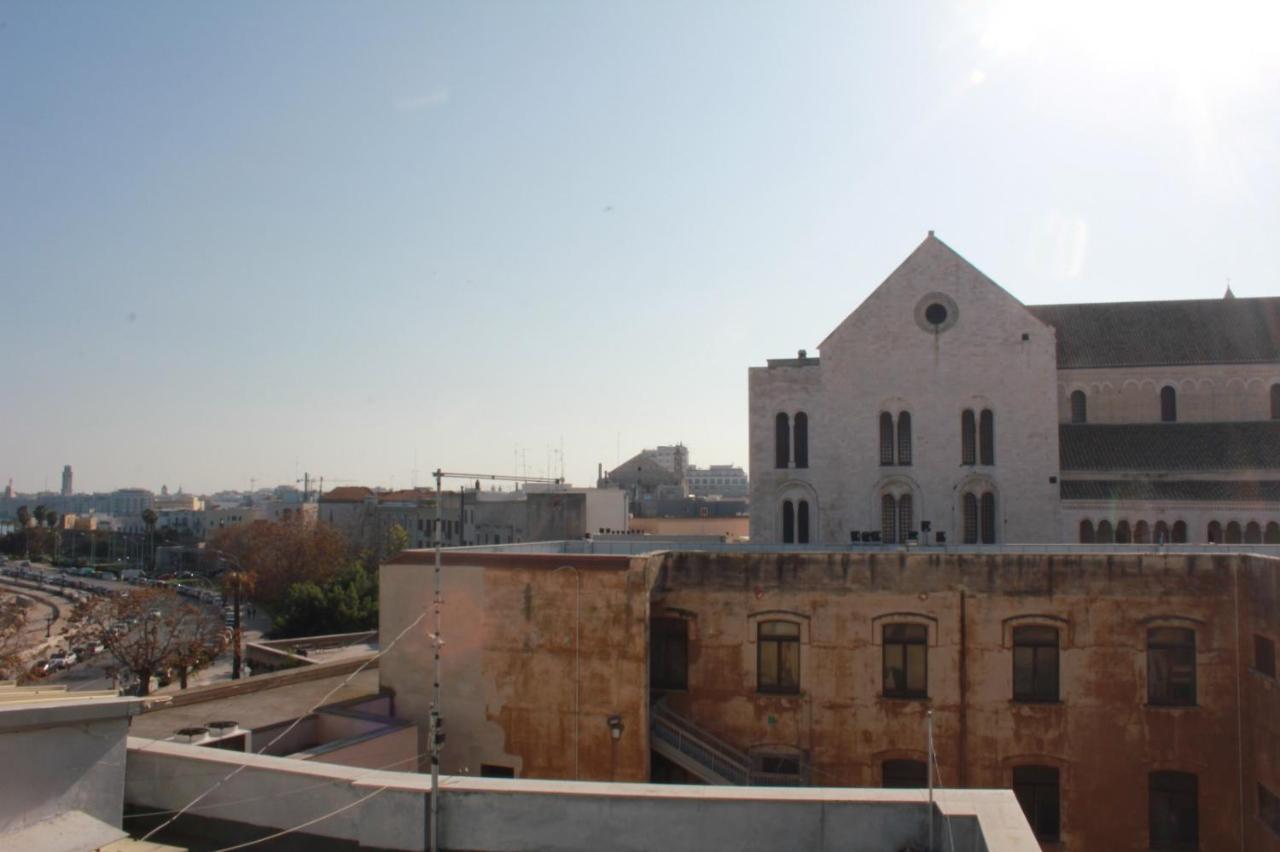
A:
{"points": [[346, 494], [1188, 490], [1196, 331], [1246, 446]]}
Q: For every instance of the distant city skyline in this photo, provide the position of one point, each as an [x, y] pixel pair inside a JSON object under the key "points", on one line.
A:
{"points": [[251, 240]]}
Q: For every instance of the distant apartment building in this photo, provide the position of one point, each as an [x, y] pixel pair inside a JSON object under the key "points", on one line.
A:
{"points": [[674, 458], [67, 490], [718, 480], [647, 481]]}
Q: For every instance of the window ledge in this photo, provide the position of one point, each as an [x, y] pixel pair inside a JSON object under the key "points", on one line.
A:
{"points": [[1037, 702], [921, 698], [1150, 706]]}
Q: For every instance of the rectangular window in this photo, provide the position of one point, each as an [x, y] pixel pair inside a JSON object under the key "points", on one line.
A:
{"points": [[1171, 666], [669, 654], [906, 661], [1173, 811], [1035, 664], [1269, 809], [1264, 655], [904, 774], [778, 657], [1037, 790], [490, 770]]}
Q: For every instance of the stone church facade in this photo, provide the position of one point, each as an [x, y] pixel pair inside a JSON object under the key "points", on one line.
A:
{"points": [[944, 410]]}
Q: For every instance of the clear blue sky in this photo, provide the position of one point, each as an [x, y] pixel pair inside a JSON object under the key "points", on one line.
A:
{"points": [[251, 239]]}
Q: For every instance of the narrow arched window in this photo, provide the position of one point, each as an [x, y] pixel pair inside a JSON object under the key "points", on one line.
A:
{"points": [[1123, 536], [781, 441], [1105, 533], [1253, 533], [1233, 535], [1180, 532], [968, 438], [987, 437], [1086, 532], [886, 438], [1168, 404], [1215, 532], [888, 519], [1079, 407], [1141, 533], [788, 522], [1272, 535], [905, 519], [1275, 402], [802, 522], [904, 438], [988, 518], [801, 442], [970, 518], [1162, 533]]}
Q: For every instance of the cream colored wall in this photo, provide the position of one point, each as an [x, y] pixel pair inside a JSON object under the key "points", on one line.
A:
{"points": [[1197, 516], [1205, 392]]}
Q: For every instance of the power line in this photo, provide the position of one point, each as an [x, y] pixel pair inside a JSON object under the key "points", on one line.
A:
{"points": [[310, 822]]}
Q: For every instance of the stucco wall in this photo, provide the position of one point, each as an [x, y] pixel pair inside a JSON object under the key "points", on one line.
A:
{"points": [[1204, 392], [539, 651]]}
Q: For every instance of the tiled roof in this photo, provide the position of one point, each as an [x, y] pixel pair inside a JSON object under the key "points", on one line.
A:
{"points": [[1253, 445], [346, 494], [1131, 334], [1189, 490]]}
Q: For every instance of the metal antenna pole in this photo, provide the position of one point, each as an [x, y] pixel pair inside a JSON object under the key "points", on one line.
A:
{"points": [[929, 772], [435, 680]]}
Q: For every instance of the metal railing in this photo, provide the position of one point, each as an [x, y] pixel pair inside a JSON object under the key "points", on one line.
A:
{"points": [[719, 758]]}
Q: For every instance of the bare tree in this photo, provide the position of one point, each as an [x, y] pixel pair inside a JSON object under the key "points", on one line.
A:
{"points": [[148, 631], [13, 618]]}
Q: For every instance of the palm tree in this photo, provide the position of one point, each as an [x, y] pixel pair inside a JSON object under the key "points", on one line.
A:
{"points": [[39, 514], [24, 518], [238, 582], [149, 518]]}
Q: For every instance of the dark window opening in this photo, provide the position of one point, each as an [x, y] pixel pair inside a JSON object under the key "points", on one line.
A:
{"points": [[936, 314], [788, 522], [802, 522], [1035, 664], [904, 438], [1233, 534], [904, 774], [1275, 402], [888, 519], [1037, 790], [968, 438], [668, 653], [1141, 533], [970, 518], [987, 437], [1264, 655], [905, 518], [802, 439], [1269, 809], [1086, 532], [1215, 532], [1253, 533], [1272, 535], [1168, 404], [906, 661], [1079, 407], [1161, 533], [988, 518], [492, 770], [1123, 536], [1171, 666], [886, 438], [778, 657], [1174, 811], [1180, 532], [781, 441]]}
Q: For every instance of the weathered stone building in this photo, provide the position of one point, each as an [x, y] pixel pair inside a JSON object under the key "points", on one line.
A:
{"points": [[943, 409], [1129, 700]]}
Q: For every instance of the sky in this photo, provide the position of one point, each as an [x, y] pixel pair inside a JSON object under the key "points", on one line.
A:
{"points": [[243, 241]]}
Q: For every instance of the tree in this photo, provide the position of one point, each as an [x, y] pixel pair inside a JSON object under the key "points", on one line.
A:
{"points": [[148, 630], [24, 518], [51, 519], [397, 540], [39, 514], [13, 618], [345, 605], [238, 583], [149, 518], [280, 555]]}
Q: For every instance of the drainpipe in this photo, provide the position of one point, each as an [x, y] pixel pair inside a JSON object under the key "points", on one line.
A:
{"points": [[963, 749]]}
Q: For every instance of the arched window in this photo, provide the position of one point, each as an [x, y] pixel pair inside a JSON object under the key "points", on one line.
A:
{"points": [[1086, 532], [1162, 533], [1038, 791], [1275, 402], [904, 438], [1180, 532], [1272, 535], [781, 441], [1105, 534], [1215, 532], [788, 522], [888, 519], [905, 519], [802, 522], [1253, 533], [1233, 535], [988, 518], [987, 437], [1168, 404], [802, 439], [1122, 533], [886, 438], [1141, 533], [970, 518], [968, 438], [1079, 407]]}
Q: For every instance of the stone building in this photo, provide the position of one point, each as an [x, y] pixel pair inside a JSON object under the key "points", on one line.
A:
{"points": [[945, 410], [1130, 701]]}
